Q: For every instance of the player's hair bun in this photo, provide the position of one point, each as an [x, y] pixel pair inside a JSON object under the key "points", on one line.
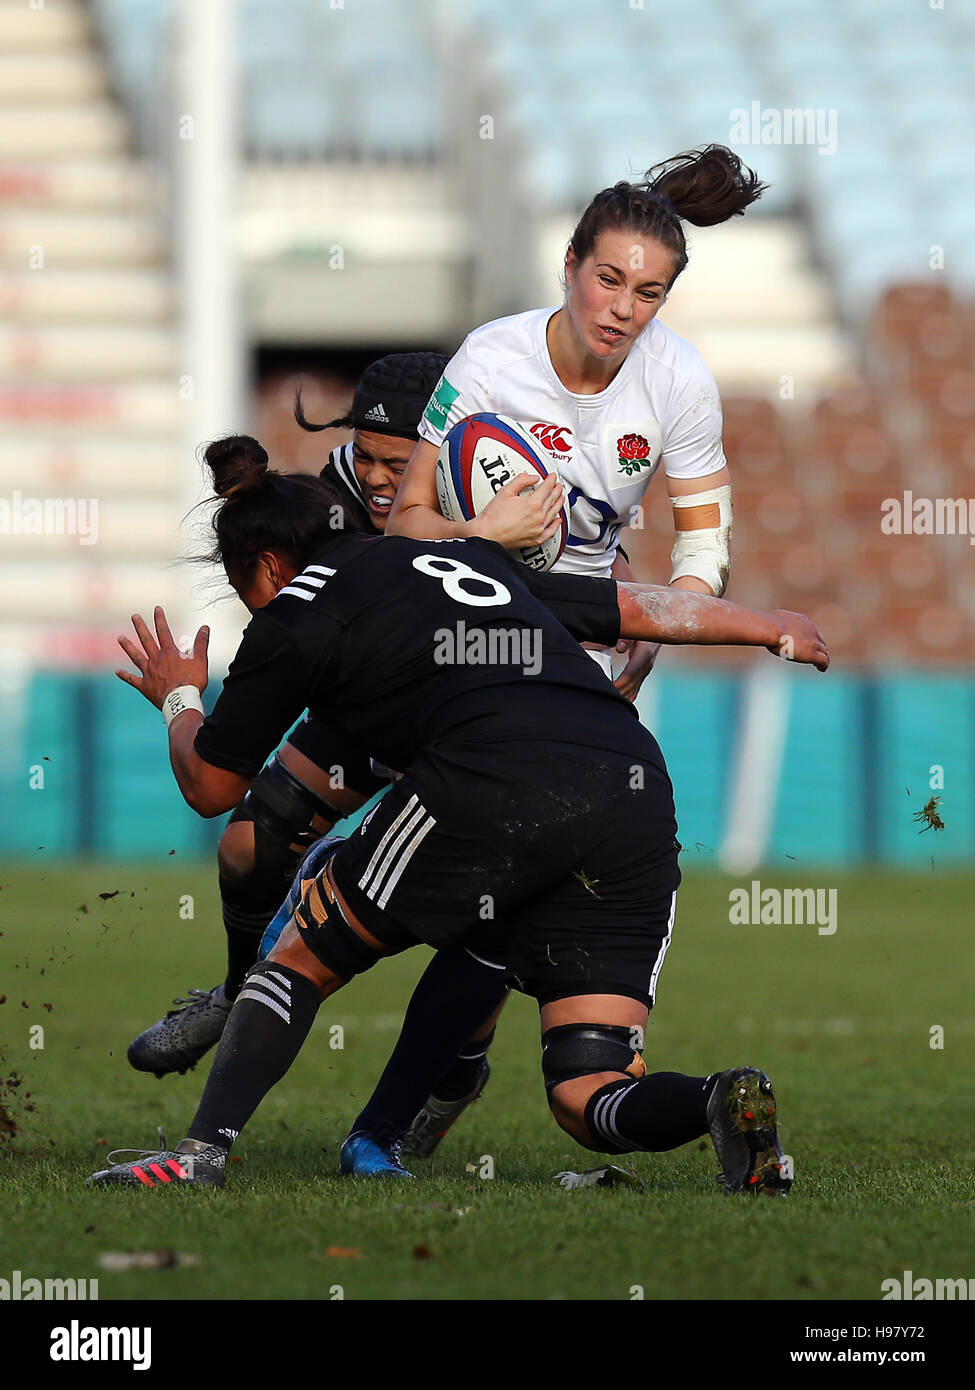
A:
{"points": [[259, 509], [239, 465], [706, 186]]}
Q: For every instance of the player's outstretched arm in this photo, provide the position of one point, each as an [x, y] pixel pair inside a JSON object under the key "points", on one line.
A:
{"points": [[658, 613], [523, 513], [163, 673]]}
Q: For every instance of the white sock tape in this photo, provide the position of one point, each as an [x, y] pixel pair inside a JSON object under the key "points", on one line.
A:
{"points": [[183, 697]]}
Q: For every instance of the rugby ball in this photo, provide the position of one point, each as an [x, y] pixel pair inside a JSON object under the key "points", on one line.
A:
{"points": [[478, 456]]}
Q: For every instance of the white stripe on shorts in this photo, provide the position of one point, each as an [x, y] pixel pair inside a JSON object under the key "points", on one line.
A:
{"points": [[663, 948], [405, 858], [406, 811], [375, 882]]}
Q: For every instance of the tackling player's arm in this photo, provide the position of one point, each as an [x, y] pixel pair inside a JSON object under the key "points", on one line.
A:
{"points": [[657, 613], [515, 517], [600, 610]]}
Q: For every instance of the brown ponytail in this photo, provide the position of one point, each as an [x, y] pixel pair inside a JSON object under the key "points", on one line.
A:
{"points": [[703, 187]]}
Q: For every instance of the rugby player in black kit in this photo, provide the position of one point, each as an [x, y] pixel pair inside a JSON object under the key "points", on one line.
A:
{"points": [[529, 784], [317, 777], [298, 796]]}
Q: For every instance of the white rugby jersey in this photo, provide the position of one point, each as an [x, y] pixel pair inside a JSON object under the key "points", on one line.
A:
{"points": [[662, 404]]}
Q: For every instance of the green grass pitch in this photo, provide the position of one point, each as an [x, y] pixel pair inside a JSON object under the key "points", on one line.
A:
{"points": [[878, 1121]]}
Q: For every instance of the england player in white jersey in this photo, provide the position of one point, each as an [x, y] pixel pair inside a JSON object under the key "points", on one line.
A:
{"points": [[612, 393], [607, 444]]}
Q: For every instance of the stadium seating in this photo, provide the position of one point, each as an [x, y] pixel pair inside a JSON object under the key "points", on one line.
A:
{"points": [[88, 360]]}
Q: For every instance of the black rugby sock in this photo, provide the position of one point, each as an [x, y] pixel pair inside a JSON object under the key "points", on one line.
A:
{"points": [[248, 904], [272, 1017], [453, 997], [462, 1075], [244, 931], [655, 1113]]}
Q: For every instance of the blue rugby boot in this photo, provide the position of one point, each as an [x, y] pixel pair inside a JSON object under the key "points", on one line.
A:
{"points": [[364, 1157]]}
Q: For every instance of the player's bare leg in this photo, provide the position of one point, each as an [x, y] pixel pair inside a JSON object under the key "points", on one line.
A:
{"points": [[614, 1106]]}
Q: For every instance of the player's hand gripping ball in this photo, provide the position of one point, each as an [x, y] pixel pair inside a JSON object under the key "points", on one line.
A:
{"points": [[484, 454]]}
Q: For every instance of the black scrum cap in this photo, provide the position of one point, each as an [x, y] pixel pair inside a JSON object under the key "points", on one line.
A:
{"points": [[393, 393]]}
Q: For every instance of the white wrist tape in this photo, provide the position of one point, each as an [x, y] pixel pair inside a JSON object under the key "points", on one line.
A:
{"points": [[183, 697], [705, 554]]}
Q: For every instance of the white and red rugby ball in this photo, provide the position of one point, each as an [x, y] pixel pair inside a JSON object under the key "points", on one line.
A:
{"points": [[476, 459]]}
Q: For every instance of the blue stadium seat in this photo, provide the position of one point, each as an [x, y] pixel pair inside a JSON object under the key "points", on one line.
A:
{"points": [[944, 166], [292, 126], [395, 117], [814, 78], [777, 166], [135, 33], [898, 66], [552, 172], [860, 179], [267, 36], [770, 14], [304, 68], [806, 39]]}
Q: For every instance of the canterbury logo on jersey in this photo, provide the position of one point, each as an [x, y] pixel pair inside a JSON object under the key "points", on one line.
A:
{"points": [[307, 584], [395, 850], [556, 438]]}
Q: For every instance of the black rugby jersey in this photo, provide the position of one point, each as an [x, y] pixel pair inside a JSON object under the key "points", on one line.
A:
{"points": [[407, 643]]}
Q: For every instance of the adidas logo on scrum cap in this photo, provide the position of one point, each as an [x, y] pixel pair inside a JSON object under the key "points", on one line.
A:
{"points": [[377, 413]]}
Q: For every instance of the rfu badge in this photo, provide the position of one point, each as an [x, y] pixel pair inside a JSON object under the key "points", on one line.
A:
{"points": [[634, 454]]}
